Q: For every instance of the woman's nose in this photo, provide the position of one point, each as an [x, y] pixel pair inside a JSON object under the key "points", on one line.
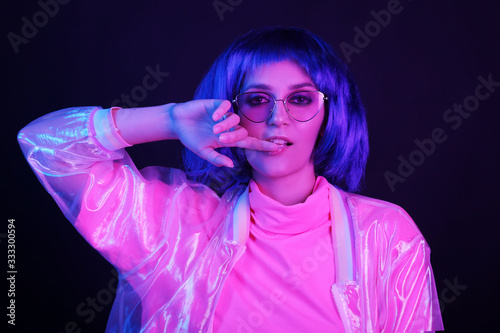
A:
{"points": [[280, 115]]}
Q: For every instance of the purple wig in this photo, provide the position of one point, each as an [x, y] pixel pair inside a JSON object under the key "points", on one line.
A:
{"points": [[341, 151]]}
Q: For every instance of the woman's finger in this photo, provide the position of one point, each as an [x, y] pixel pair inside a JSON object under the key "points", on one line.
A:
{"points": [[215, 158], [239, 138], [229, 121], [249, 142], [221, 110], [229, 138]]}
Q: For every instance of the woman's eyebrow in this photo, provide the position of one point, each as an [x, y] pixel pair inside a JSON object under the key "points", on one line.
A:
{"points": [[258, 86], [264, 86], [302, 85]]}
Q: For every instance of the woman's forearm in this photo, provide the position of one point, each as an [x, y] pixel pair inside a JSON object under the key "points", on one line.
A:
{"points": [[147, 124]]}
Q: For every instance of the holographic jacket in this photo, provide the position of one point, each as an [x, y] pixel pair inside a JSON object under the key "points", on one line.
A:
{"points": [[174, 242]]}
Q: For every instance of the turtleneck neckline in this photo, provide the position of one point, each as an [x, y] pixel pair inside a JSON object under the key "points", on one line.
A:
{"points": [[273, 218]]}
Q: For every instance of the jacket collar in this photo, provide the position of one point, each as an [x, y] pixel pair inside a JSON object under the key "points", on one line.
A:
{"points": [[342, 231]]}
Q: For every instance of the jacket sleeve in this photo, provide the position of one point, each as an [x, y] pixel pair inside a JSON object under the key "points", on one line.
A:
{"points": [[407, 296], [61, 150], [120, 211]]}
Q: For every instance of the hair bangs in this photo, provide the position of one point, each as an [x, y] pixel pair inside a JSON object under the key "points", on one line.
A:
{"points": [[275, 45], [342, 147]]}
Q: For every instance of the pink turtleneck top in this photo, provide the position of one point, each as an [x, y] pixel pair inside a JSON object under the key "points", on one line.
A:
{"points": [[283, 280]]}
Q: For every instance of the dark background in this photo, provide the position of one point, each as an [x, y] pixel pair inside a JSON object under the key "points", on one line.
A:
{"points": [[427, 59]]}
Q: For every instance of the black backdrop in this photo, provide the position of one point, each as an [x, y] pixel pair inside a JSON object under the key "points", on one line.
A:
{"points": [[428, 58]]}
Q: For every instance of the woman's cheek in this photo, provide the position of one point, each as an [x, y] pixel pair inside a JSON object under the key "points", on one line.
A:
{"points": [[252, 128]]}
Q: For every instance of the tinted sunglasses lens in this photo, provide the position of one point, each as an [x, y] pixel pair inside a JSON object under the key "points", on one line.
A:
{"points": [[255, 106], [304, 105]]}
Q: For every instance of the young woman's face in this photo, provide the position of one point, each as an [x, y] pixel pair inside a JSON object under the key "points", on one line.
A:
{"points": [[297, 139]]}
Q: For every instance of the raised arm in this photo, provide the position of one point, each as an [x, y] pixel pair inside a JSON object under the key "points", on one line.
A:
{"points": [[201, 126], [76, 153], [69, 141]]}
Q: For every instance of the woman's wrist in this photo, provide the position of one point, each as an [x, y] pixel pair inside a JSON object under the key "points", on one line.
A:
{"points": [[148, 124], [104, 129]]}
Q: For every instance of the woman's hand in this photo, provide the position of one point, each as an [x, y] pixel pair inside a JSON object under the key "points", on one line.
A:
{"points": [[204, 125]]}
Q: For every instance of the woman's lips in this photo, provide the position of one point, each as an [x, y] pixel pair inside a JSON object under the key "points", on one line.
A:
{"points": [[283, 144]]}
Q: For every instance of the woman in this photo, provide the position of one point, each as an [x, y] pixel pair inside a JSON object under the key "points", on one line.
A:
{"points": [[262, 235]]}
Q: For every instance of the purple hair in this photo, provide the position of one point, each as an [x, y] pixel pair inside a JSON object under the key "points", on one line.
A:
{"points": [[341, 151]]}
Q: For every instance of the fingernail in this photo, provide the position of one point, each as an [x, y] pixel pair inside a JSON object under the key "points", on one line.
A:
{"points": [[223, 137], [216, 129]]}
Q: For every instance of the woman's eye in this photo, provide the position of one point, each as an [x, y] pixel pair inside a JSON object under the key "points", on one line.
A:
{"points": [[300, 99], [257, 100]]}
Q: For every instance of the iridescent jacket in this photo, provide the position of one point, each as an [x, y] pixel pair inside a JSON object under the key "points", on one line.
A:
{"points": [[174, 242]]}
